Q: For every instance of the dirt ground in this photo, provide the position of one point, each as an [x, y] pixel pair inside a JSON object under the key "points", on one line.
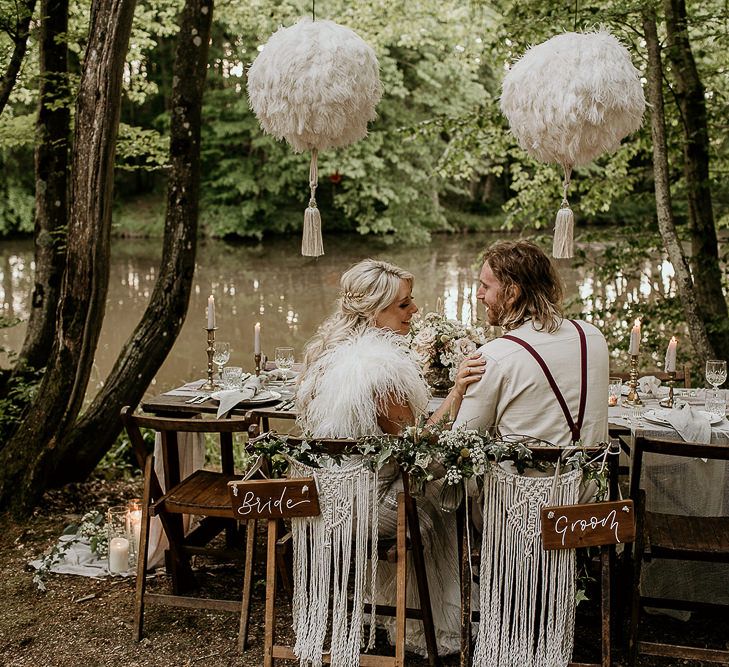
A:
{"points": [[79, 621]]}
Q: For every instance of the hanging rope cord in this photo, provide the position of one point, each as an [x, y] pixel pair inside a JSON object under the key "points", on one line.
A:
{"points": [[567, 170], [313, 177]]}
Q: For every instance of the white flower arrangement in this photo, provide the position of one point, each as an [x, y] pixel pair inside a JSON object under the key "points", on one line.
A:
{"points": [[442, 344]]}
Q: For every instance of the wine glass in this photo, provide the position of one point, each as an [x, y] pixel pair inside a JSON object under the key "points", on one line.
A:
{"points": [[284, 359], [221, 354], [715, 376]]}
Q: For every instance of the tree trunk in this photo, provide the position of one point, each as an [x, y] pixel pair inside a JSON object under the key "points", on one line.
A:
{"points": [[19, 35], [664, 210], [148, 346], [51, 184], [28, 460], [692, 104]]}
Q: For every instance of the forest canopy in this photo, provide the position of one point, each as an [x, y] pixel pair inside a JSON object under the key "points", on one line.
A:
{"points": [[439, 157]]}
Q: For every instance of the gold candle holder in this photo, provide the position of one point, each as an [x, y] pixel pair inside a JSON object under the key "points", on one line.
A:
{"points": [[668, 402], [209, 384], [258, 356], [632, 398]]}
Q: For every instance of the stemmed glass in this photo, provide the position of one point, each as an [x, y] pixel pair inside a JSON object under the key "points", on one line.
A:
{"points": [[715, 376], [221, 355], [284, 358]]}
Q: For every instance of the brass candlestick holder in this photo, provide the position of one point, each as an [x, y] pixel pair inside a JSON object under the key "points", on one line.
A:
{"points": [[258, 356], [209, 384], [668, 402], [632, 398]]}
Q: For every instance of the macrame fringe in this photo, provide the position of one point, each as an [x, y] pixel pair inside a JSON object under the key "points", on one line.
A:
{"points": [[527, 594], [564, 225], [312, 244], [323, 549]]}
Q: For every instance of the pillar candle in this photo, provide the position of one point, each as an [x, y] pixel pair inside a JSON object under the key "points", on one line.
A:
{"points": [[211, 312], [671, 355], [118, 555], [257, 338], [635, 339], [135, 526]]}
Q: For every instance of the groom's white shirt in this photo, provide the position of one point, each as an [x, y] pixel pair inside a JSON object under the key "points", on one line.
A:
{"points": [[514, 394]]}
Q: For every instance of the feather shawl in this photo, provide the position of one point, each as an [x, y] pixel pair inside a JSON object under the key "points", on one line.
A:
{"points": [[351, 384]]}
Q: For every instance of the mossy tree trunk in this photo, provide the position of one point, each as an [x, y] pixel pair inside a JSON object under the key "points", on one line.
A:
{"points": [[664, 207], [29, 459], [149, 344], [690, 96], [51, 185]]}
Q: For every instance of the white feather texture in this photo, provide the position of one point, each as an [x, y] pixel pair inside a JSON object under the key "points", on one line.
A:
{"points": [[315, 84], [573, 97], [350, 384]]}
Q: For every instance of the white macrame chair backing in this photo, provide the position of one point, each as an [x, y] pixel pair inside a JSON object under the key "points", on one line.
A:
{"points": [[323, 549], [527, 594]]}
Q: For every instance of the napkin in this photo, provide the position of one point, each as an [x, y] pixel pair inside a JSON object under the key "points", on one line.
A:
{"points": [[229, 398], [691, 426], [648, 385], [281, 374]]}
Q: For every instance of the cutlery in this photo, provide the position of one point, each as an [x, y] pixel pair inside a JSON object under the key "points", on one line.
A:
{"points": [[194, 399]]}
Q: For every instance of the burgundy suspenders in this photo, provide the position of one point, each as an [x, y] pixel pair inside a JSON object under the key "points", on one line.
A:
{"points": [[574, 427]]}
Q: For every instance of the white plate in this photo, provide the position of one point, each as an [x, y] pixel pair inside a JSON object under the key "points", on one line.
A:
{"points": [[658, 417], [260, 398]]}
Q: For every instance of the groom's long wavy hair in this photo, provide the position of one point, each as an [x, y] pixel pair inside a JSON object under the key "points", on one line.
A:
{"points": [[523, 265], [367, 288]]}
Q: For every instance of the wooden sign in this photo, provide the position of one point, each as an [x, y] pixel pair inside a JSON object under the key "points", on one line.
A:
{"points": [[574, 526], [274, 498]]}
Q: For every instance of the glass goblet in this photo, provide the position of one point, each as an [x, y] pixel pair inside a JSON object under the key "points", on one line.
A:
{"points": [[715, 376], [284, 358], [221, 354]]}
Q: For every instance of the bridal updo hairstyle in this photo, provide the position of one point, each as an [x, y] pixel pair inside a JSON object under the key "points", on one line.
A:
{"points": [[367, 288]]}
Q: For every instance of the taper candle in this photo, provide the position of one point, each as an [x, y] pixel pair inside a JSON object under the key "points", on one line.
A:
{"points": [[671, 356], [635, 338], [257, 338], [211, 312]]}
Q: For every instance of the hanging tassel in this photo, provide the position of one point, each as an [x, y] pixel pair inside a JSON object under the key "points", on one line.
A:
{"points": [[312, 244], [564, 225]]}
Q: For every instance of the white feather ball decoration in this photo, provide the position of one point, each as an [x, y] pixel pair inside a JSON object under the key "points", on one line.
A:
{"points": [[316, 85], [569, 100]]}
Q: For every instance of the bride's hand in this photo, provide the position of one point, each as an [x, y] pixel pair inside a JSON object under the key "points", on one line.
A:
{"points": [[471, 370]]}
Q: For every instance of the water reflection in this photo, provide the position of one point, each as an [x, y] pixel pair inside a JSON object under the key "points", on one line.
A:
{"points": [[290, 295]]}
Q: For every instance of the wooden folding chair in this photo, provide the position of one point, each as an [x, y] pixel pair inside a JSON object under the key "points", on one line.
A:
{"points": [[682, 377], [607, 566], [408, 538], [673, 536], [204, 493]]}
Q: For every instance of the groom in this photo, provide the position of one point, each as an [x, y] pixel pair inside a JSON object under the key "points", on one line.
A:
{"points": [[547, 377]]}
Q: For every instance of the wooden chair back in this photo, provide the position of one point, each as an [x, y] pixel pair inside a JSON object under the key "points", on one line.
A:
{"points": [[407, 522], [672, 536], [203, 493], [683, 376]]}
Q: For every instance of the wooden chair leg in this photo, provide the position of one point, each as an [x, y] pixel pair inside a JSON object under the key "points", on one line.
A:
{"points": [[401, 586], [606, 582], [635, 580], [466, 583], [245, 608], [421, 580], [270, 615], [142, 551]]}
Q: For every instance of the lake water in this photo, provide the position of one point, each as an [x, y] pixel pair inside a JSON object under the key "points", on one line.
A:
{"points": [[272, 284]]}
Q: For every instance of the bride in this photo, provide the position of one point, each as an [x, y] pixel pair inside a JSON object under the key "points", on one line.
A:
{"points": [[359, 378]]}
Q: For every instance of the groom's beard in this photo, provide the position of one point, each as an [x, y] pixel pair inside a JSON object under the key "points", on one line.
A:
{"points": [[495, 313]]}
